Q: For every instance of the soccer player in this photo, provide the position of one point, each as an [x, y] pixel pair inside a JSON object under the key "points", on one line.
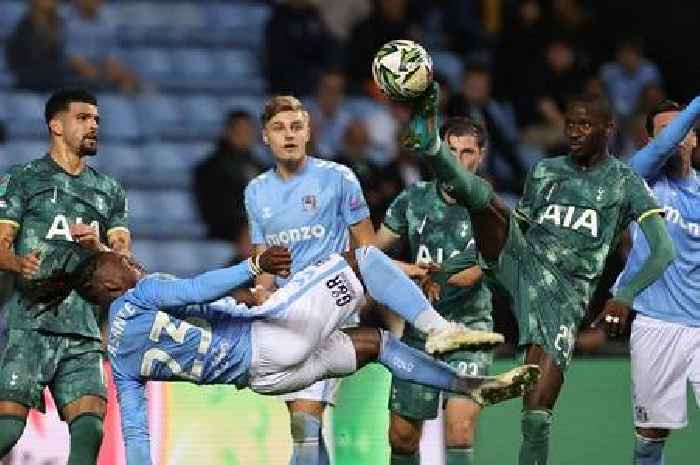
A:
{"points": [[44, 203], [314, 207], [548, 254], [666, 330], [437, 228], [163, 328]]}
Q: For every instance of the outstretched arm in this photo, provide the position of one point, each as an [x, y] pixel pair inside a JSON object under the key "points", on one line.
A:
{"points": [[134, 417], [648, 161], [213, 284]]}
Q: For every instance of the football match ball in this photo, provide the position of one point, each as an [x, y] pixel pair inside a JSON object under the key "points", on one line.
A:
{"points": [[402, 69]]}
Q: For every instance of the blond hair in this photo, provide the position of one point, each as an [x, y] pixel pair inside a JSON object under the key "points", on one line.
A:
{"points": [[278, 104]]}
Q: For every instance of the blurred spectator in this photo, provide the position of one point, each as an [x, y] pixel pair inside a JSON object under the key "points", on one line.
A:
{"points": [[571, 20], [341, 15], [219, 181], [383, 126], [476, 102], [298, 46], [35, 49], [380, 185], [3, 134], [523, 38], [328, 117], [389, 20], [91, 40], [626, 77]]}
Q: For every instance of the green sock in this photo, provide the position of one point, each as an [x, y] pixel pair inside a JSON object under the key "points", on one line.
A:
{"points": [[470, 190], [459, 456], [535, 446], [403, 459], [85, 439], [11, 428]]}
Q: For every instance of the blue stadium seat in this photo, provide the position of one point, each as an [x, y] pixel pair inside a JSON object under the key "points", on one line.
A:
{"points": [[182, 258], [27, 112], [171, 165], [22, 152], [185, 22], [124, 162], [240, 24], [449, 65], [119, 118], [10, 14], [253, 105], [196, 69], [153, 64], [202, 116], [241, 71], [161, 116], [139, 22]]}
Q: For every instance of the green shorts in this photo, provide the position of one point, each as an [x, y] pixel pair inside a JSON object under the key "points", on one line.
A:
{"points": [[420, 402], [71, 366], [548, 310]]}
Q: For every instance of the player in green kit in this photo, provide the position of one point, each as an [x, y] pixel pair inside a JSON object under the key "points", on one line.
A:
{"points": [[436, 229], [43, 204], [548, 254]]}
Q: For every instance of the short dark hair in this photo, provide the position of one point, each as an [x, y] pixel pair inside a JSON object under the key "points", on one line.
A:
{"points": [[61, 100], [594, 103], [462, 126], [237, 114], [661, 107]]}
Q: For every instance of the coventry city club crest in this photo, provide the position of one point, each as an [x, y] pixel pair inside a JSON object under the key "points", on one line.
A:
{"points": [[309, 202]]}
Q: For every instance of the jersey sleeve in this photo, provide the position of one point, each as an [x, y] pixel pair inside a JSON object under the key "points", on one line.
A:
{"points": [[157, 292], [395, 218], [11, 200], [353, 205], [133, 409], [119, 217], [254, 226], [467, 258], [524, 208], [640, 202]]}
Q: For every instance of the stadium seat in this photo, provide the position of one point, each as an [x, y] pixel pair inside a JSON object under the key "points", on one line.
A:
{"points": [[171, 165], [240, 24], [253, 105], [182, 258], [185, 22], [167, 214], [22, 152], [240, 71], [195, 70], [161, 116], [10, 14], [27, 112], [124, 162], [153, 64], [360, 107], [202, 116], [139, 22], [119, 118]]}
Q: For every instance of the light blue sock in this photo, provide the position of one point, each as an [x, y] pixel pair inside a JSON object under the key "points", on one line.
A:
{"points": [[306, 440], [648, 451], [389, 286], [413, 365]]}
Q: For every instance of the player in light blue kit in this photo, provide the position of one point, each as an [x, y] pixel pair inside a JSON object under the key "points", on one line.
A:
{"points": [[168, 329], [665, 340], [314, 207]]}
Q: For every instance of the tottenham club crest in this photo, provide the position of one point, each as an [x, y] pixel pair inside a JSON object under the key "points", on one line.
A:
{"points": [[309, 202]]}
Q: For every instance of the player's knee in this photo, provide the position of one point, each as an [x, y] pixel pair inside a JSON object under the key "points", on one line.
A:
{"points": [[87, 428], [652, 433], [536, 425], [404, 438], [305, 427], [366, 342], [459, 434], [11, 428]]}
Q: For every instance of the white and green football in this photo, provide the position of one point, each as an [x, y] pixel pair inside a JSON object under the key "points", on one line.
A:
{"points": [[402, 69]]}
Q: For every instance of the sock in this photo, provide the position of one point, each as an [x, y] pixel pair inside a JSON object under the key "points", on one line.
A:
{"points": [[306, 437], [388, 285], [470, 191], [459, 456], [648, 451], [11, 428], [85, 439], [535, 446], [413, 365], [404, 459]]}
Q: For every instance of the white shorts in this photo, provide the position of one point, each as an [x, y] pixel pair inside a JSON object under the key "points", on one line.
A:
{"points": [[665, 357], [312, 306]]}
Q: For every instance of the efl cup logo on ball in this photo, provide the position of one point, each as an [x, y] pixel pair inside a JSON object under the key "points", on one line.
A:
{"points": [[402, 69]]}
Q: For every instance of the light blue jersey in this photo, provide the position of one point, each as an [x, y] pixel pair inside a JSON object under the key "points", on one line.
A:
{"points": [[309, 213], [172, 330], [675, 296]]}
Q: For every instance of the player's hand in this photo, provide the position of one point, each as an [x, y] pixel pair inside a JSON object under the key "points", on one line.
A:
{"points": [[86, 236], [430, 288], [614, 316], [275, 260], [27, 265]]}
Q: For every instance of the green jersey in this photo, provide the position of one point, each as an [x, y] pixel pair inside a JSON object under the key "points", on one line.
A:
{"points": [[573, 217], [437, 231], [42, 201]]}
